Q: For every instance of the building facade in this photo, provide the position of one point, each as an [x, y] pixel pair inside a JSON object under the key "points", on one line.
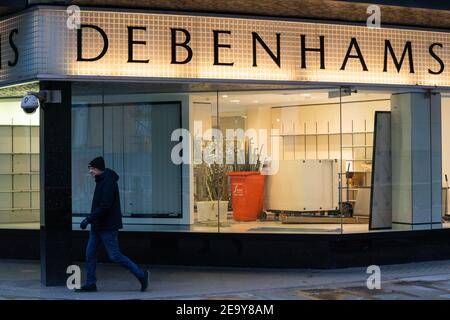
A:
{"points": [[243, 136]]}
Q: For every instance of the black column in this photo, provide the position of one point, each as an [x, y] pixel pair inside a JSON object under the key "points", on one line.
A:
{"points": [[56, 186]]}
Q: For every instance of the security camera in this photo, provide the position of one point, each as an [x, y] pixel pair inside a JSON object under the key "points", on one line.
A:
{"points": [[30, 102], [33, 100]]}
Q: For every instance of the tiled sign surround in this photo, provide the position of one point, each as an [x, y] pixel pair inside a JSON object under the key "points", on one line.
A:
{"points": [[48, 49]]}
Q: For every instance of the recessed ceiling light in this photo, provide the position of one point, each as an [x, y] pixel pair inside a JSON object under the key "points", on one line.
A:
{"points": [[278, 120], [224, 96]]}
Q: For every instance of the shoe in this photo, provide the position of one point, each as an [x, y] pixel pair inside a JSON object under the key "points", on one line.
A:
{"points": [[85, 288], [144, 280]]}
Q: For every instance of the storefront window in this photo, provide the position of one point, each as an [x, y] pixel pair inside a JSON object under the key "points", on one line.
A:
{"points": [[133, 134], [359, 109], [445, 120], [19, 163], [392, 157], [350, 160], [327, 160], [285, 166], [210, 186]]}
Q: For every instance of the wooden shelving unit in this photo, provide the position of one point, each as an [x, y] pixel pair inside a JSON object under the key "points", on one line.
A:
{"points": [[361, 160], [19, 173], [357, 149]]}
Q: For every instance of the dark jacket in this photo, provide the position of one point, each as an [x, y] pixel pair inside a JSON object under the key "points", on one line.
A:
{"points": [[105, 210]]}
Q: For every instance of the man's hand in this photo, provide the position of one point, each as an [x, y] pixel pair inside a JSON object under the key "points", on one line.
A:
{"points": [[84, 223]]}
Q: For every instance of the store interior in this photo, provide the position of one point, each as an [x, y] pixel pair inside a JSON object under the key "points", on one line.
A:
{"points": [[312, 146], [19, 166], [303, 131], [324, 142]]}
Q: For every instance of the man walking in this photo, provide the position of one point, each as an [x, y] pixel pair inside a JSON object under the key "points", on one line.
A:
{"points": [[106, 220]]}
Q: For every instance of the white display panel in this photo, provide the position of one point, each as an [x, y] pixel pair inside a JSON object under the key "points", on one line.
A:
{"points": [[304, 185]]}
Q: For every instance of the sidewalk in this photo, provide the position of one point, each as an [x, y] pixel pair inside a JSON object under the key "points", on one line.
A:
{"points": [[427, 280]]}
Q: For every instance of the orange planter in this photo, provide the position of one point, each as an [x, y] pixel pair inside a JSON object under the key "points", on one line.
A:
{"points": [[247, 194]]}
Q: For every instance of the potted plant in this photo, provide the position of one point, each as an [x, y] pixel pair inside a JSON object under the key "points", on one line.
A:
{"points": [[203, 201], [247, 184], [217, 187], [215, 208]]}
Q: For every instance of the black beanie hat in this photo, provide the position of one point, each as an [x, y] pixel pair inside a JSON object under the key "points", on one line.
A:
{"points": [[98, 163]]}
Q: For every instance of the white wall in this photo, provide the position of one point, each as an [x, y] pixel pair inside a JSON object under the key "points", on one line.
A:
{"points": [[12, 113], [324, 119]]}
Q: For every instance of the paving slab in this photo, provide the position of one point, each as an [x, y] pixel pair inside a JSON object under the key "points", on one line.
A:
{"points": [[426, 280]]}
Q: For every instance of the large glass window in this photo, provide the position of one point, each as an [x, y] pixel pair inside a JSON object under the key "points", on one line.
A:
{"points": [[346, 160], [445, 121], [247, 159], [359, 109], [133, 134], [284, 173], [19, 162]]}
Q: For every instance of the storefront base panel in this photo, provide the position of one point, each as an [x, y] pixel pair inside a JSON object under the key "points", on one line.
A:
{"points": [[253, 250], [19, 244]]}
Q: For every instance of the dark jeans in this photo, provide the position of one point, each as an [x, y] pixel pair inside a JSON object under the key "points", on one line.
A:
{"points": [[111, 244]]}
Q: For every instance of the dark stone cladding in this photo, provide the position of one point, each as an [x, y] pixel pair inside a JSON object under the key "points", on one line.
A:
{"points": [[55, 185], [253, 250]]}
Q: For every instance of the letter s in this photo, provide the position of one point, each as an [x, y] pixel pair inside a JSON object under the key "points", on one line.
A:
{"points": [[13, 46], [435, 56]]}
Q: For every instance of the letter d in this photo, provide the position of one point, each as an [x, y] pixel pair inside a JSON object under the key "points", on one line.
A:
{"points": [[80, 42]]}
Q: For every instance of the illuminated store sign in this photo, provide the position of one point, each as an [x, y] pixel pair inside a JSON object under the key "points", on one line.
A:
{"points": [[353, 52], [161, 46]]}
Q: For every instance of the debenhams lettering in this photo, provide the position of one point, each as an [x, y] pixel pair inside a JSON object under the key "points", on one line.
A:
{"points": [[12, 46], [180, 41]]}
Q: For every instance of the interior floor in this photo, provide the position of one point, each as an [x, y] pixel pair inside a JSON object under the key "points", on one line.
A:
{"points": [[20, 225], [267, 227], [237, 227]]}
